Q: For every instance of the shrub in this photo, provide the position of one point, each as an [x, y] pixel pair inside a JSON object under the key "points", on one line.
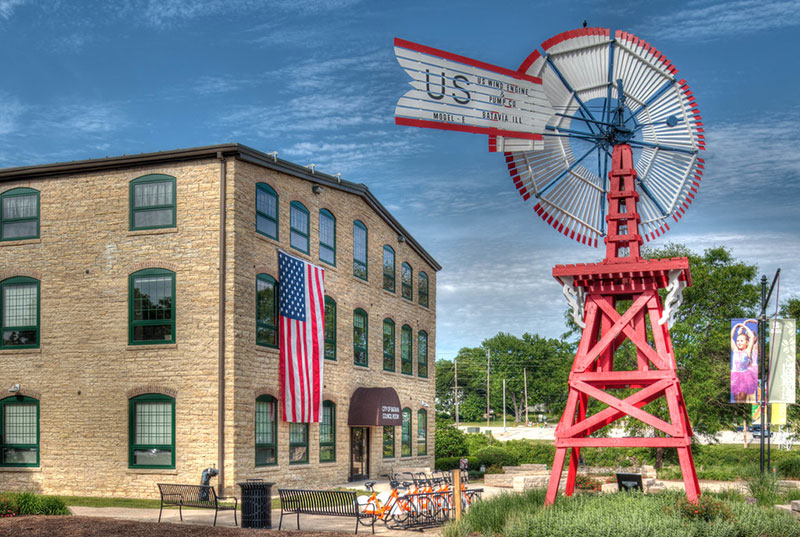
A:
{"points": [[585, 482], [492, 456], [28, 503], [478, 441], [707, 509], [762, 487], [451, 463], [789, 466], [450, 442], [8, 507], [52, 505]]}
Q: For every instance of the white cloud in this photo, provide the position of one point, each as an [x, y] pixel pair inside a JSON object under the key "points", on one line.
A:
{"points": [[7, 7], [165, 12], [10, 111]]}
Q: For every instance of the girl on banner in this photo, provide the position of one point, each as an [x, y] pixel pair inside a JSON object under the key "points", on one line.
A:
{"points": [[744, 362]]}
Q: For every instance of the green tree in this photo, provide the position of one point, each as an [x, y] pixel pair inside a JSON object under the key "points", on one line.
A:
{"points": [[450, 442]]}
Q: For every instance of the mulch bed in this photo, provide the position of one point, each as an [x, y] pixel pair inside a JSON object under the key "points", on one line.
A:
{"points": [[81, 526]]}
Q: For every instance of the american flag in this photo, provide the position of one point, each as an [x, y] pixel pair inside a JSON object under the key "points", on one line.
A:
{"points": [[302, 338]]}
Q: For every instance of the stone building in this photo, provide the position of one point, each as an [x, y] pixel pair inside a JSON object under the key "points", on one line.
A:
{"points": [[139, 325]]}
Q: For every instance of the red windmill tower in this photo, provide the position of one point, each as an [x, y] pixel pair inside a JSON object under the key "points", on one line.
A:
{"points": [[616, 158]]}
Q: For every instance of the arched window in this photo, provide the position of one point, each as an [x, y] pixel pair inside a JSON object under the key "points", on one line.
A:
{"points": [[298, 226], [405, 435], [388, 441], [388, 345], [327, 237], [19, 431], [406, 363], [298, 443], [152, 307], [360, 337], [422, 354], [327, 432], [19, 214], [422, 432], [266, 430], [152, 431], [152, 199], [266, 210], [330, 328], [388, 268], [359, 250], [422, 289], [19, 313], [266, 311], [407, 277]]}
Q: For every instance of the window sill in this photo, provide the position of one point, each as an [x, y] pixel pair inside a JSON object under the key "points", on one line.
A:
{"points": [[157, 231], [21, 351], [21, 469], [164, 346], [20, 242], [152, 471], [270, 240], [265, 349]]}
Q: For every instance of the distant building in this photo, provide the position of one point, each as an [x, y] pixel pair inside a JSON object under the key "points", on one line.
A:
{"points": [[139, 325]]}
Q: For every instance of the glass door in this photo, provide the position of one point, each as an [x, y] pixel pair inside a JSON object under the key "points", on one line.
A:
{"points": [[359, 453]]}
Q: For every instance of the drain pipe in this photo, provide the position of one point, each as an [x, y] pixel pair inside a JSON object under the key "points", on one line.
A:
{"points": [[221, 334]]}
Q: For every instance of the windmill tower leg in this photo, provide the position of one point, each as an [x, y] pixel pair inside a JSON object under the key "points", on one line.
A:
{"points": [[623, 276]]}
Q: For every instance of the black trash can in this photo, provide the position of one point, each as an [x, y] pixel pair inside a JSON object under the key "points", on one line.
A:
{"points": [[256, 504]]}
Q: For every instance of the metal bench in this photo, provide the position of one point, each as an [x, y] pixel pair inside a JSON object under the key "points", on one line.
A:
{"points": [[324, 503], [200, 496]]}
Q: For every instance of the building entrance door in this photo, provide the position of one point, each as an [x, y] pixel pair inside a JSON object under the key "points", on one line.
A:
{"points": [[359, 453]]}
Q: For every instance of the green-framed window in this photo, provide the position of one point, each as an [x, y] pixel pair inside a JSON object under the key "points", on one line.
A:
{"points": [[19, 313], [330, 328], [360, 337], [422, 354], [407, 281], [266, 210], [327, 237], [388, 268], [266, 311], [153, 202], [298, 443], [266, 430], [405, 434], [151, 419], [19, 431], [388, 345], [359, 250], [19, 214], [152, 307], [327, 432], [406, 360], [388, 441], [422, 289], [422, 432], [298, 226]]}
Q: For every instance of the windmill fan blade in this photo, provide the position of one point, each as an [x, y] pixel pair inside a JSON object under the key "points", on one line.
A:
{"points": [[582, 72]]}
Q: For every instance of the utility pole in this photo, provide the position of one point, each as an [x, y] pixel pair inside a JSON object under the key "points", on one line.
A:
{"points": [[762, 350], [488, 356], [455, 364], [525, 380], [504, 405]]}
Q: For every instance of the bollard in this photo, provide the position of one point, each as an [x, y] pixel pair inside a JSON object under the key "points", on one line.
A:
{"points": [[457, 492]]}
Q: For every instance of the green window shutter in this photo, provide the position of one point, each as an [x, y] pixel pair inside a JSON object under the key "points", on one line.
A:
{"points": [[266, 211], [388, 345], [327, 237], [405, 434], [422, 289], [298, 443], [327, 432], [360, 250], [407, 364], [153, 202], [266, 311], [330, 328], [266, 431], [388, 442], [19, 431], [151, 419], [407, 277], [19, 214], [388, 268], [422, 432], [298, 226], [151, 302], [422, 354], [360, 337], [19, 313]]}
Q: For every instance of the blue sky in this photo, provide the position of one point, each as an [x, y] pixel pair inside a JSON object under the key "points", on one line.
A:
{"points": [[317, 81]]}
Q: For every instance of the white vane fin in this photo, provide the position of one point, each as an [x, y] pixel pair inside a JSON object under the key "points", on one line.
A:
{"points": [[674, 298], [576, 298]]}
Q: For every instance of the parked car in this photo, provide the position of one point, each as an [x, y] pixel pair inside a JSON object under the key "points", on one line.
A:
{"points": [[756, 428]]}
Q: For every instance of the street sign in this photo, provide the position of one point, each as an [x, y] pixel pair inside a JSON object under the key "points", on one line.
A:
{"points": [[453, 92]]}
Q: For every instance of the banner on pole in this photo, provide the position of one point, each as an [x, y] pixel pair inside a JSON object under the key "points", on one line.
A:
{"points": [[782, 363], [744, 360], [777, 414]]}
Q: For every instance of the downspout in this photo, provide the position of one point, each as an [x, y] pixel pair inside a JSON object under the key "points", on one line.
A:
{"points": [[221, 334]]}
